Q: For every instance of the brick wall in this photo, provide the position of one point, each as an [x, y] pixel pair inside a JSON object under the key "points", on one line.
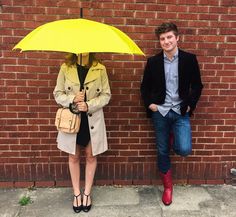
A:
{"points": [[28, 153]]}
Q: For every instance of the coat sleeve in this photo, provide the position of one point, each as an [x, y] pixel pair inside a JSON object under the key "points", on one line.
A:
{"points": [[196, 85], [146, 86], [104, 97], [59, 91]]}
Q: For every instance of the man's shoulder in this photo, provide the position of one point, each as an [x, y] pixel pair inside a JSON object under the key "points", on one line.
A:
{"points": [[156, 57], [185, 53]]}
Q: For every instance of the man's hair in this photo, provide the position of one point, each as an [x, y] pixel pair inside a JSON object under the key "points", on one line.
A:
{"points": [[166, 27]]}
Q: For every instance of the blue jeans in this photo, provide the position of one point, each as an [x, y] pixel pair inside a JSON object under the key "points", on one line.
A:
{"points": [[180, 126]]}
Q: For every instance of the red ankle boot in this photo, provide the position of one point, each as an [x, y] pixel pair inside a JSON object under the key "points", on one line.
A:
{"points": [[168, 187]]}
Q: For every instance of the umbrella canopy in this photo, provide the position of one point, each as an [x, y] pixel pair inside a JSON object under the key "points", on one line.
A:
{"points": [[78, 36]]}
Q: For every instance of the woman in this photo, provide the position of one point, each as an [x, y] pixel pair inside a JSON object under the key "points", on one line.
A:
{"points": [[83, 85]]}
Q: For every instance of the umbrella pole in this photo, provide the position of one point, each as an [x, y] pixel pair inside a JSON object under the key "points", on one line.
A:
{"points": [[81, 16], [81, 12], [80, 59]]}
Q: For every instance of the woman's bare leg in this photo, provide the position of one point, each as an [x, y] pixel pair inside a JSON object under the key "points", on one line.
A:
{"points": [[74, 166], [90, 169]]}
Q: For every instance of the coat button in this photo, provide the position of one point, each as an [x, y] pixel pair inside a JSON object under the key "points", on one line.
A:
{"points": [[98, 90], [92, 127], [89, 114], [69, 88], [87, 88]]}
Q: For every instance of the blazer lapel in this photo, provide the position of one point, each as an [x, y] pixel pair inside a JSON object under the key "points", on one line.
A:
{"points": [[160, 68], [180, 67]]}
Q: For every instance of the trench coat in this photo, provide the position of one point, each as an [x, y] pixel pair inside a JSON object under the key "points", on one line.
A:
{"points": [[98, 94]]}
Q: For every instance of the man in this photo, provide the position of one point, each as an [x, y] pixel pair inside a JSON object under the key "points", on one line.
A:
{"points": [[170, 89]]}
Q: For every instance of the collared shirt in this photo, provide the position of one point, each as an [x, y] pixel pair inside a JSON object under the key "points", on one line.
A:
{"points": [[172, 100]]}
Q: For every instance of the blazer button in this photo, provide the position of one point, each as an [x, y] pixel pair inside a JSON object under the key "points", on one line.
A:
{"points": [[92, 127], [87, 88]]}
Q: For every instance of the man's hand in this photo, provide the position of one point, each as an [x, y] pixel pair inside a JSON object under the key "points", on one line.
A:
{"points": [[188, 109], [153, 107]]}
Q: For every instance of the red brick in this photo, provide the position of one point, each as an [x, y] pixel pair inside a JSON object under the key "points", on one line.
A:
{"points": [[63, 183], [23, 184], [44, 184], [180, 181], [138, 7], [175, 8], [188, 16], [230, 17], [156, 182], [104, 182], [6, 184], [141, 182], [196, 181], [122, 182]]}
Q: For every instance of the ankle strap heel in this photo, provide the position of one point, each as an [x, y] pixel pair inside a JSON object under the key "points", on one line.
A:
{"points": [[77, 208], [87, 207]]}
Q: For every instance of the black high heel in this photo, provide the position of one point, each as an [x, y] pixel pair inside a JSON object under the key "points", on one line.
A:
{"points": [[87, 207], [77, 208]]}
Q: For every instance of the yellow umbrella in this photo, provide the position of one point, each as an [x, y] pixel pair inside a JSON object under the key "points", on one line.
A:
{"points": [[78, 36]]}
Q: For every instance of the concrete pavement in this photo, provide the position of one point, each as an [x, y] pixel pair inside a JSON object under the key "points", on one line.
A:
{"points": [[123, 201]]}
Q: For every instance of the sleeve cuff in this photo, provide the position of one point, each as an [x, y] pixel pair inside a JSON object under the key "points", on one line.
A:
{"points": [[71, 98]]}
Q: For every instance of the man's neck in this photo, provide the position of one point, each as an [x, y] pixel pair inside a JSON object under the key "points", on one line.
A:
{"points": [[171, 54]]}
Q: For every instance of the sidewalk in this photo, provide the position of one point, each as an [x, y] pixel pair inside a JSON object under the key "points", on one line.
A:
{"points": [[124, 201]]}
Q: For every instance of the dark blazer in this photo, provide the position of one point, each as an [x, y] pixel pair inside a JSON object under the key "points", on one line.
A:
{"points": [[153, 85]]}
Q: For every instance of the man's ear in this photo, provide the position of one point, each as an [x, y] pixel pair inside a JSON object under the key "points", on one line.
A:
{"points": [[177, 38]]}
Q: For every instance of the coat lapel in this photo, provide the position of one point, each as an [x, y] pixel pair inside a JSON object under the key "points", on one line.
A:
{"points": [[72, 74], [93, 73]]}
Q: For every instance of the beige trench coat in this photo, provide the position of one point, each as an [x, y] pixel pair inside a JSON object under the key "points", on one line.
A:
{"points": [[98, 94]]}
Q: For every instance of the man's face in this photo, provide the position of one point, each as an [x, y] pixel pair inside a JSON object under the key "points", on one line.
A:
{"points": [[168, 42]]}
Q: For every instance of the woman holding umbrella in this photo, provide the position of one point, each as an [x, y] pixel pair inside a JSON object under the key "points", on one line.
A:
{"points": [[83, 85], [63, 36]]}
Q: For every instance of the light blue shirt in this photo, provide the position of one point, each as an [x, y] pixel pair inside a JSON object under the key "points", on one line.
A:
{"points": [[172, 100]]}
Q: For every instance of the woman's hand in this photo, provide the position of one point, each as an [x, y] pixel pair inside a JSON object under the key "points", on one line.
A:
{"points": [[79, 97], [82, 106], [153, 107]]}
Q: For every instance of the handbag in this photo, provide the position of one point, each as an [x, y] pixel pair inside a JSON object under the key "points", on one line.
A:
{"points": [[66, 121]]}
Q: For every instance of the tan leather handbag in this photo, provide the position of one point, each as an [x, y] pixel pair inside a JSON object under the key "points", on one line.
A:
{"points": [[66, 121]]}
